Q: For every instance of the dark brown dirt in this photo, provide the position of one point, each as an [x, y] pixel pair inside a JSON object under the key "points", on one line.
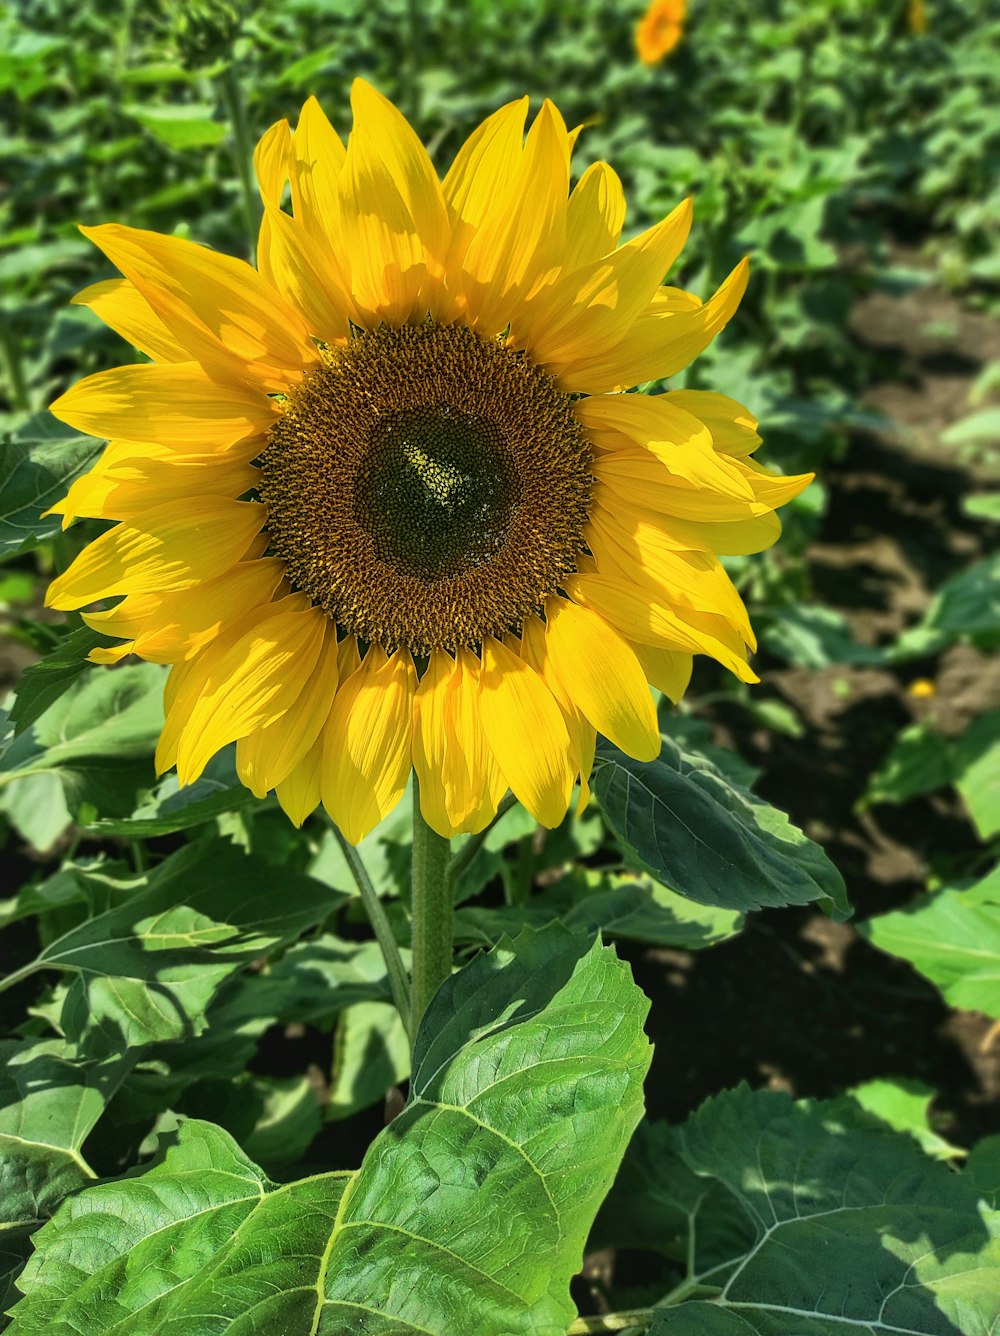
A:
{"points": [[797, 1002]]}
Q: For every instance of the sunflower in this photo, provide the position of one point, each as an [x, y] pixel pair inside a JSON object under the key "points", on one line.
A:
{"points": [[382, 502], [659, 30]]}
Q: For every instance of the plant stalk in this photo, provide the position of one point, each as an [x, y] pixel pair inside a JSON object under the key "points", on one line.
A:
{"points": [[432, 909], [232, 97], [394, 968], [474, 843]]}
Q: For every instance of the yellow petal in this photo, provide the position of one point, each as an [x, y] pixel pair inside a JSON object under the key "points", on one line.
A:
{"points": [[659, 344], [393, 216], [733, 427], [645, 621], [595, 215], [124, 309], [592, 309], [772, 489], [526, 733], [299, 794], [678, 439], [125, 483], [304, 273], [667, 670], [738, 537], [474, 786], [178, 406], [639, 478], [217, 306], [250, 684], [520, 237], [582, 735], [170, 547], [630, 545], [430, 741], [319, 158], [266, 757], [600, 672], [169, 627], [367, 743], [273, 161], [484, 163]]}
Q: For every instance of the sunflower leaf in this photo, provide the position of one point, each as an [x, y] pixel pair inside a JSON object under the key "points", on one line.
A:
{"points": [[469, 1212], [798, 1218], [952, 937], [706, 837], [40, 460], [146, 968]]}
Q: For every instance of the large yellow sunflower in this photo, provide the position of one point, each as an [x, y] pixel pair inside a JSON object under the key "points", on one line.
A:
{"points": [[383, 502]]}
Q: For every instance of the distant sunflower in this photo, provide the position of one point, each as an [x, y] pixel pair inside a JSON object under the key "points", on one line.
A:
{"points": [[659, 30], [381, 501]]}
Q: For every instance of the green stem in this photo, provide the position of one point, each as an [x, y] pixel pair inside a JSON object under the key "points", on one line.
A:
{"points": [[432, 909], [398, 981], [415, 61], [232, 97], [638, 1317], [474, 843], [20, 400], [18, 976]]}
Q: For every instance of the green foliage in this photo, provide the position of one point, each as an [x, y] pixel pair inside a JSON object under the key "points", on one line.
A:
{"points": [[953, 937], [183, 967], [527, 1082], [708, 838], [754, 1190]]}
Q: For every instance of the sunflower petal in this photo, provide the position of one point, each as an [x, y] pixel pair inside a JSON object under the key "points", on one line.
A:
{"points": [[170, 547], [179, 406], [250, 684], [526, 733], [218, 307], [659, 344], [266, 757], [367, 743], [124, 309], [604, 677]]}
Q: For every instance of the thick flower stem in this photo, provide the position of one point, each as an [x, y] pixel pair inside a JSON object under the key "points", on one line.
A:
{"points": [[432, 910], [394, 968]]}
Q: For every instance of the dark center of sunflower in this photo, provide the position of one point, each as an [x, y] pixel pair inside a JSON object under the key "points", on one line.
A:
{"points": [[427, 487], [436, 491]]}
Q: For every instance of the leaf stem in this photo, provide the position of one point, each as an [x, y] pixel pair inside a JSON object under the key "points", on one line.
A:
{"points": [[432, 908], [232, 97], [638, 1317], [474, 843], [394, 968], [18, 976]]}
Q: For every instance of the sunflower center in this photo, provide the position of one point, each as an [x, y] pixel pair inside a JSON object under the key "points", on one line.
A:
{"points": [[436, 491], [427, 487]]}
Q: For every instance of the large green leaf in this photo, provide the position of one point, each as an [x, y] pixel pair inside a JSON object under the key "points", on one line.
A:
{"points": [[49, 1102], [709, 839], [40, 685], [468, 1214], [625, 907], [37, 465], [953, 937], [98, 736], [146, 969], [809, 1219], [169, 808]]}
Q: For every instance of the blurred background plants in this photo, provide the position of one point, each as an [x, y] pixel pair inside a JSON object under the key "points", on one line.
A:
{"points": [[856, 158]]}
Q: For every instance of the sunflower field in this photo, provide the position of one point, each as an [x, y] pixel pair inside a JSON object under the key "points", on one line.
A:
{"points": [[499, 611]]}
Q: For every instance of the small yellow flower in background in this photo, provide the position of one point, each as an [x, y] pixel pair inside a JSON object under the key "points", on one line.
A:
{"points": [[381, 501], [916, 19], [922, 688], [659, 30]]}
